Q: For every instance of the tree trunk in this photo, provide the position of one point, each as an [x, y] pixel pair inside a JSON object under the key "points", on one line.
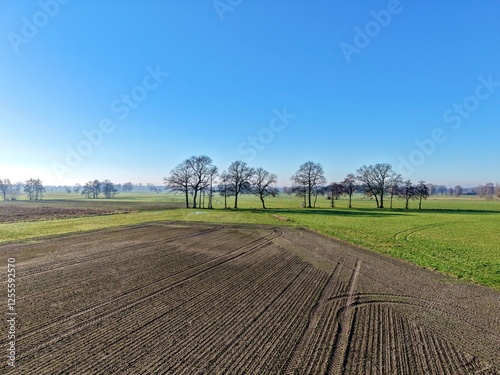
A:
{"points": [[376, 199], [225, 198], [420, 203], [187, 199], [406, 206], [194, 197], [235, 199], [210, 206], [350, 198], [262, 200], [309, 197], [381, 200], [391, 201]]}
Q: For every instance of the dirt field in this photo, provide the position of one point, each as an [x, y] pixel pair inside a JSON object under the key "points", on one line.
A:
{"points": [[206, 299], [59, 209]]}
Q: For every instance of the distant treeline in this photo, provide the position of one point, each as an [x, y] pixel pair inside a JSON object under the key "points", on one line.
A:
{"points": [[198, 179]]}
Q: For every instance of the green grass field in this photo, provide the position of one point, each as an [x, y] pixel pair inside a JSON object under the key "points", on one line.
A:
{"points": [[456, 236]]}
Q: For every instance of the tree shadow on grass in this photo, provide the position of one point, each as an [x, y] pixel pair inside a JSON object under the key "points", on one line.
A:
{"points": [[325, 211], [368, 212]]}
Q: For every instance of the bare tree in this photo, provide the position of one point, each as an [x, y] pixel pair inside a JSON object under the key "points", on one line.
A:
{"points": [[395, 182], [108, 189], [39, 189], [87, 190], [349, 186], [309, 176], [422, 192], [201, 169], [77, 188], [127, 187], [335, 189], [5, 186], [407, 191], [180, 179], [375, 180], [240, 175], [34, 189], [15, 190], [29, 188], [489, 190], [441, 189], [317, 191], [96, 188], [224, 187], [211, 177], [458, 190], [264, 184]]}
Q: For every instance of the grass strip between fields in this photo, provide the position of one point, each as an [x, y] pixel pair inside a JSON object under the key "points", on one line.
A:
{"points": [[462, 245]]}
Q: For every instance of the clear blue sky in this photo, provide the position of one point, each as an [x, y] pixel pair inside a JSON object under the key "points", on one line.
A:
{"points": [[358, 82]]}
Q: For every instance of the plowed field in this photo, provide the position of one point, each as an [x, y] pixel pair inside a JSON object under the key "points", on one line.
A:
{"points": [[207, 299]]}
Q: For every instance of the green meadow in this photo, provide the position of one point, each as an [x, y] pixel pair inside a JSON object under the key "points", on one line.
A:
{"points": [[456, 236]]}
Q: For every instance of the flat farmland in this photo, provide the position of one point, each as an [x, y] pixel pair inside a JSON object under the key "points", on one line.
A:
{"points": [[23, 211], [186, 298]]}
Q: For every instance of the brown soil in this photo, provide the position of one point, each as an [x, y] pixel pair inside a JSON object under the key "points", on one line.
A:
{"points": [[206, 299], [59, 209]]}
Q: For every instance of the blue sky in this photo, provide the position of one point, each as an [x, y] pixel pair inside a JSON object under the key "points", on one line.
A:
{"points": [[273, 83]]}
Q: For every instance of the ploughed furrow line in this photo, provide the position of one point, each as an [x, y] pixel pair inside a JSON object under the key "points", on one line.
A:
{"points": [[265, 347], [316, 354], [396, 345], [194, 260], [111, 253], [125, 311], [113, 266], [373, 348], [128, 328], [185, 276], [47, 290], [152, 322], [219, 337], [233, 337], [314, 317], [211, 325], [345, 318], [481, 322]]}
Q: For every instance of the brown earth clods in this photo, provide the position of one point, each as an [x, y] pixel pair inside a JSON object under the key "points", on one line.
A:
{"points": [[207, 299], [59, 209]]}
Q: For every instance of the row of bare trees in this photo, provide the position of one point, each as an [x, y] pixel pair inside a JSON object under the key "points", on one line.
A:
{"points": [[33, 188], [199, 177], [92, 189], [377, 181], [488, 190]]}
